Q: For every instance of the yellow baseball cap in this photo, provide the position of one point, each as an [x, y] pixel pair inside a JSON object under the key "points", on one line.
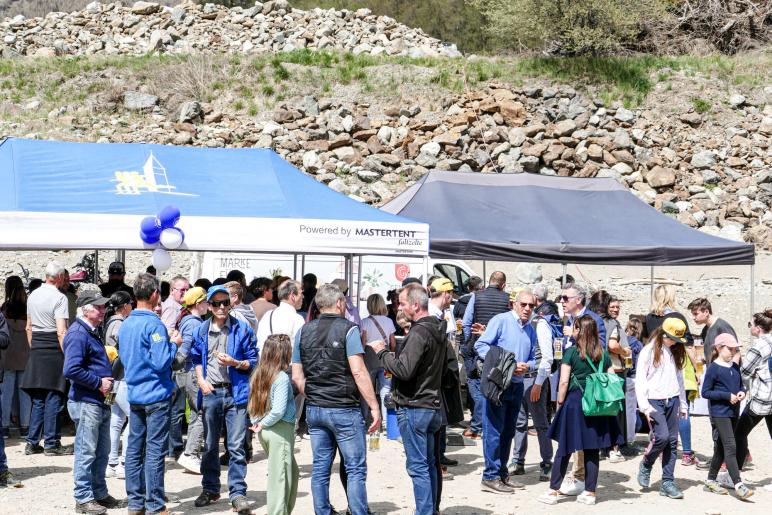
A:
{"points": [[675, 329], [514, 293], [193, 296], [442, 284]]}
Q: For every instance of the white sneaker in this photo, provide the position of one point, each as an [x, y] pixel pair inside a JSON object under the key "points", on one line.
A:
{"points": [[190, 463], [110, 472], [548, 498], [116, 471], [615, 457], [724, 480], [572, 487], [585, 498]]}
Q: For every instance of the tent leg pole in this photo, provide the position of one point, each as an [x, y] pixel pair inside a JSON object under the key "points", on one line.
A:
{"points": [[359, 281], [753, 308], [485, 271], [295, 266], [96, 266], [120, 255], [651, 283], [426, 271], [563, 280]]}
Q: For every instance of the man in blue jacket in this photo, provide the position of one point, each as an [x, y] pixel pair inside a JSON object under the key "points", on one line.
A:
{"points": [[224, 353], [147, 356], [87, 367]]}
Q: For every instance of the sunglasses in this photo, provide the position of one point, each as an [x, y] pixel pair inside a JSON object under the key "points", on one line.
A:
{"points": [[220, 303], [565, 298], [527, 304]]}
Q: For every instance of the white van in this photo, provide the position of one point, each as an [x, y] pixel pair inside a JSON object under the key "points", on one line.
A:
{"points": [[379, 273]]}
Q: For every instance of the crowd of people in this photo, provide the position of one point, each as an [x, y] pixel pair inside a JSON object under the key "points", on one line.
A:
{"points": [[156, 371]]}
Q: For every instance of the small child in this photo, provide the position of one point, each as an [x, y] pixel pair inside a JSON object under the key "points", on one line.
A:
{"points": [[724, 390], [272, 412]]}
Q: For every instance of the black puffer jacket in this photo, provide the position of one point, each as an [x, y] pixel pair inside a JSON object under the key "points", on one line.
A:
{"points": [[418, 369]]}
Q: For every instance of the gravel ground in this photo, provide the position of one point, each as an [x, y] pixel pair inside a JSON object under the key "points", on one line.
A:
{"points": [[48, 484]]}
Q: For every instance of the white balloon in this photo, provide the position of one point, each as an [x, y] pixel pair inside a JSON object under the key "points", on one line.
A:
{"points": [[162, 260], [171, 238]]}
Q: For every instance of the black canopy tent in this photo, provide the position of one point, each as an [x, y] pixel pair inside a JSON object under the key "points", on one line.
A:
{"points": [[543, 219]]}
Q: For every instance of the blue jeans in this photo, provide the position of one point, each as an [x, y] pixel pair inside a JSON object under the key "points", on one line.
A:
{"points": [[92, 447], [175, 430], [120, 412], [418, 427], [475, 425], [685, 432], [538, 412], [664, 436], [44, 419], [12, 394], [342, 428], [148, 443], [499, 430], [219, 406], [3, 457]]}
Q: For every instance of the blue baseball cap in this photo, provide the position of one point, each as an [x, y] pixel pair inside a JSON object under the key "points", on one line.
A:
{"points": [[216, 289]]}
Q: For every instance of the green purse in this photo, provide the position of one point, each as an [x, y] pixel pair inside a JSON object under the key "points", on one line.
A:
{"points": [[603, 393]]}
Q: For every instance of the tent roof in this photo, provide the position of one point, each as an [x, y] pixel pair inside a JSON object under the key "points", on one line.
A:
{"points": [[536, 218], [63, 195]]}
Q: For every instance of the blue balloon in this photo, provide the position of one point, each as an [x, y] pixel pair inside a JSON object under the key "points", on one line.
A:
{"points": [[150, 239], [150, 230], [169, 216]]}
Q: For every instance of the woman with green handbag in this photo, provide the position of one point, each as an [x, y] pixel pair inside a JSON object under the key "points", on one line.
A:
{"points": [[659, 388], [572, 428]]}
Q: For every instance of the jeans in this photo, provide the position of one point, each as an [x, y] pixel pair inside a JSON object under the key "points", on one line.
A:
{"points": [[119, 413], [499, 430], [590, 469], [631, 409], [148, 444], [186, 381], [478, 403], [175, 429], [44, 418], [3, 457], [418, 427], [219, 407], [381, 385], [724, 448], [685, 432], [538, 411], [664, 436], [92, 447], [12, 394], [745, 425], [343, 428]]}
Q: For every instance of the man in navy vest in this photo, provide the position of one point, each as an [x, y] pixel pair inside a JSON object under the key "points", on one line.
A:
{"points": [[483, 305], [328, 367]]}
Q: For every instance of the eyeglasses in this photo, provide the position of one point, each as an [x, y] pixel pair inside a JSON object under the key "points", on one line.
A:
{"points": [[220, 303], [181, 289], [565, 298], [527, 304]]}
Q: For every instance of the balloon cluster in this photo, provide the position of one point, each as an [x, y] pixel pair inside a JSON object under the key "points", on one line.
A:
{"points": [[162, 229]]}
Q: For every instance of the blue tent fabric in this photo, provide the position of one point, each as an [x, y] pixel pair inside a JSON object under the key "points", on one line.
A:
{"points": [[230, 199], [536, 218]]}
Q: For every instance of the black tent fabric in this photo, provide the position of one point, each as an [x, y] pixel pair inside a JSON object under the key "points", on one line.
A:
{"points": [[536, 218]]}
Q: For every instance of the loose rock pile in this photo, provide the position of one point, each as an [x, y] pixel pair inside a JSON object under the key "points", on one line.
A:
{"points": [[271, 26]]}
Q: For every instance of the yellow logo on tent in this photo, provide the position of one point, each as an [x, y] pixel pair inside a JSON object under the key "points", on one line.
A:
{"points": [[152, 179]]}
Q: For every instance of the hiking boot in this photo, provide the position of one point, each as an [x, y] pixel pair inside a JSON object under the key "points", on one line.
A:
{"points": [[111, 503], [545, 472], [7, 479], [644, 475], [91, 507], [516, 469], [687, 460], [713, 487], [448, 462], [33, 449], [517, 485], [495, 486], [241, 505], [742, 491], [60, 450], [205, 499], [669, 489]]}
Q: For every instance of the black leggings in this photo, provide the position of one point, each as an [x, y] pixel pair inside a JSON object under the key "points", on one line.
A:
{"points": [[724, 448], [748, 420], [591, 470]]}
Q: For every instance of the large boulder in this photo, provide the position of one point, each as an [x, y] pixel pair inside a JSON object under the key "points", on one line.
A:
{"points": [[659, 177], [138, 101]]}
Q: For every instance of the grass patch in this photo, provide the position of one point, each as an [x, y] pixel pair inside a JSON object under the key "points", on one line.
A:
{"points": [[701, 105]]}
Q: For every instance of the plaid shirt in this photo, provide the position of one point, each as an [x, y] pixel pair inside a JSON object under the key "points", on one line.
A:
{"points": [[755, 369]]}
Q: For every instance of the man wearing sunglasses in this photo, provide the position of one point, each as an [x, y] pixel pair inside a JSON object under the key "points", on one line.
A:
{"points": [[513, 332], [223, 354]]}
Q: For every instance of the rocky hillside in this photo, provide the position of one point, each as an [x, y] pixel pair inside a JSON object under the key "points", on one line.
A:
{"points": [[369, 125]]}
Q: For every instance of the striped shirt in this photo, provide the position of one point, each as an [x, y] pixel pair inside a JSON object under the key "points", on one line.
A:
{"points": [[755, 369]]}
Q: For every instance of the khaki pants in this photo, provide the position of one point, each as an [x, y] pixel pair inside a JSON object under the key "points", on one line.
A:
{"points": [[577, 470]]}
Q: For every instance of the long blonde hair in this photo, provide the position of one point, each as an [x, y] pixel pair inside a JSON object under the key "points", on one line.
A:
{"points": [[664, 298], [275, 358]]}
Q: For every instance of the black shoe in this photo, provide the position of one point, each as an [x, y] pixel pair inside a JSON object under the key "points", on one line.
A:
{"points": [[517, 470], [91, 507], [545, 472], [112, 503], [23, 430], [7, 479], [33, 449], [448, 462], [205, 499], [241, 505], [60, 450]]}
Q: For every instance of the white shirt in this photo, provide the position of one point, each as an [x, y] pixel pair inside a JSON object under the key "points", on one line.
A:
{"points": [[446, 315], [662, 382], [282, 320], [544, 338], [170, 312]]}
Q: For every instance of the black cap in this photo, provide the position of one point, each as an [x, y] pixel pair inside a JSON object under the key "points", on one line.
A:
{"points": [[91, 297], [116, 267], [569, 279], [409, 280]]}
